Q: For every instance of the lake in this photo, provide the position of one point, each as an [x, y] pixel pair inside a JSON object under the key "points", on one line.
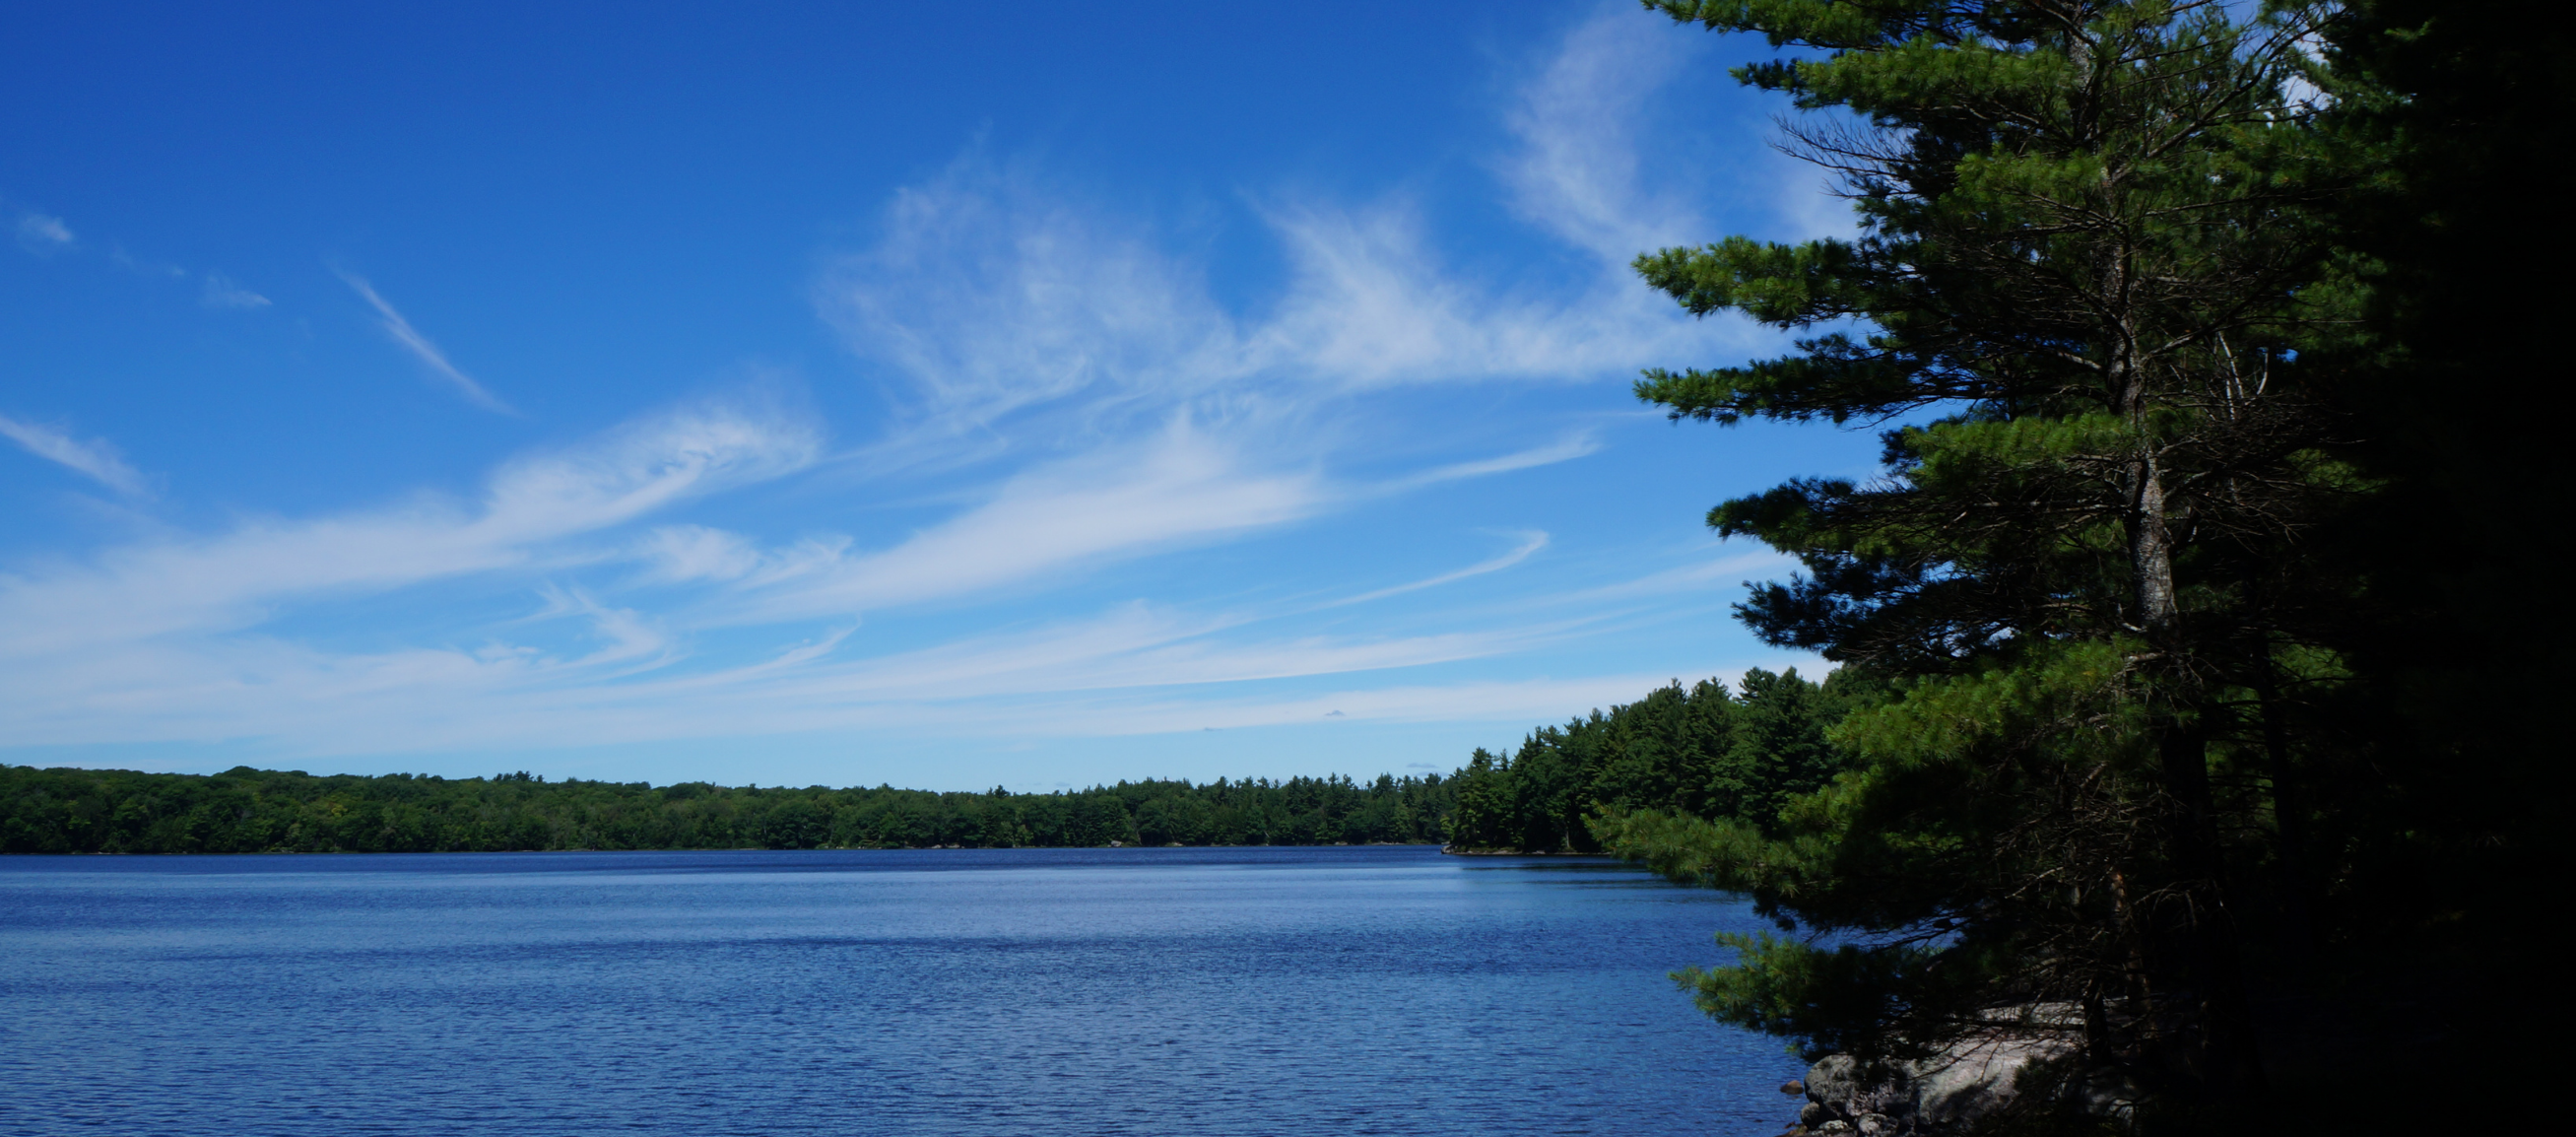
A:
{"points": [[1032, 991]]}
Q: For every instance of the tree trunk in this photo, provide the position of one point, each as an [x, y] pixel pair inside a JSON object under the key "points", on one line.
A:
{"points": [[2224, 1060], [2151, 548], [2221, 1056]]}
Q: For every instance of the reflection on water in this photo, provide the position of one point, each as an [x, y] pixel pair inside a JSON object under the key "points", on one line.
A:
{"points": [[1161, 991]]}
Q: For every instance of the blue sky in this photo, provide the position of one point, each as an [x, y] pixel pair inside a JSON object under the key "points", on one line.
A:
{"points": [[924, 394]]}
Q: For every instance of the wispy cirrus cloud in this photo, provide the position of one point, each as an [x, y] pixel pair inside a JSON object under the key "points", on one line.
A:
{"points": [[1577, 170], [96, 458], [1175, 487], [1574, 445], [411, 340], [1531, 543], [237, 579], [996, 297], [220, 292], [44, 234], [1582, 172]]}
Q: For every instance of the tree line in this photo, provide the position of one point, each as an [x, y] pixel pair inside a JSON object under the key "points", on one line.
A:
{"points": [[1704, 750], [244, 810]]}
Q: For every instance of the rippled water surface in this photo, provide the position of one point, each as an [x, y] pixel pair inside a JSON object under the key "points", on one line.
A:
{"points": [[1144, 991]]}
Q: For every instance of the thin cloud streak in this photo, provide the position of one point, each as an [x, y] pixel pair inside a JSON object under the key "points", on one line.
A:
{"points": [[422, 349], [1565, 449], [97, 458], [43, 234], [1531, 542], [221, 293]]}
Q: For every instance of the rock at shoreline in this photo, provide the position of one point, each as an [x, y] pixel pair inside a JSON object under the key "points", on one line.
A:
{"points": [[1953, 1090]]}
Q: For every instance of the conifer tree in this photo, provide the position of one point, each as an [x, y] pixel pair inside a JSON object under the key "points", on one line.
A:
{"points": [[2088, 264]]}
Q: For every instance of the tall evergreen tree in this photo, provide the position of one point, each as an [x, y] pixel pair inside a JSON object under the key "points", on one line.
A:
{"points": [[2090, 266]]}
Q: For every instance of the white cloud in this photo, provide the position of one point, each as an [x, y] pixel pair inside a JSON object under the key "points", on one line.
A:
{"points": [[990, 296], [235, 580], [1576, 171], [996, 301], [680, 553], [1565, 449], [1531, 543], [221, 292], [164, 639], [1688, 579], [98, 458], [1177, 486], [41, 234], [1580, 170], [422, 349]]}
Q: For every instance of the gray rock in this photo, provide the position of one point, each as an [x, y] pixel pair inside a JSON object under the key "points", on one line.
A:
{"points": [[1794, 1089], [1971, 1080], [1834, 1080], [1952, 1091]]}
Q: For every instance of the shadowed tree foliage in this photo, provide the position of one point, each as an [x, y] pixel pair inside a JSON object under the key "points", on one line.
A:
{"points": [[2441, 789]]}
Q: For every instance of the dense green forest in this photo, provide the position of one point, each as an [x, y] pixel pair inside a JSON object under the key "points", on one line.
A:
{"points": [[254, 811]]}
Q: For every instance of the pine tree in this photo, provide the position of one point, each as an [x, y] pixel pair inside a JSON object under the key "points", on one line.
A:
{"points": [[2090, 260]]}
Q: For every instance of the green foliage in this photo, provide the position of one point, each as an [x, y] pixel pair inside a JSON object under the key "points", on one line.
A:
{"points": [[2095, 304], [1969, 828], [1828, 996], [243, 810], [1702, 751]]}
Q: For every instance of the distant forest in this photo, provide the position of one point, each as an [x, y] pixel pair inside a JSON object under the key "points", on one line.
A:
{"points": [[243, 810], [1704, 750]]}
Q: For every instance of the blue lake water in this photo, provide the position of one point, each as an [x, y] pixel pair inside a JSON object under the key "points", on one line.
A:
{"points": [[1142, 991]]}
